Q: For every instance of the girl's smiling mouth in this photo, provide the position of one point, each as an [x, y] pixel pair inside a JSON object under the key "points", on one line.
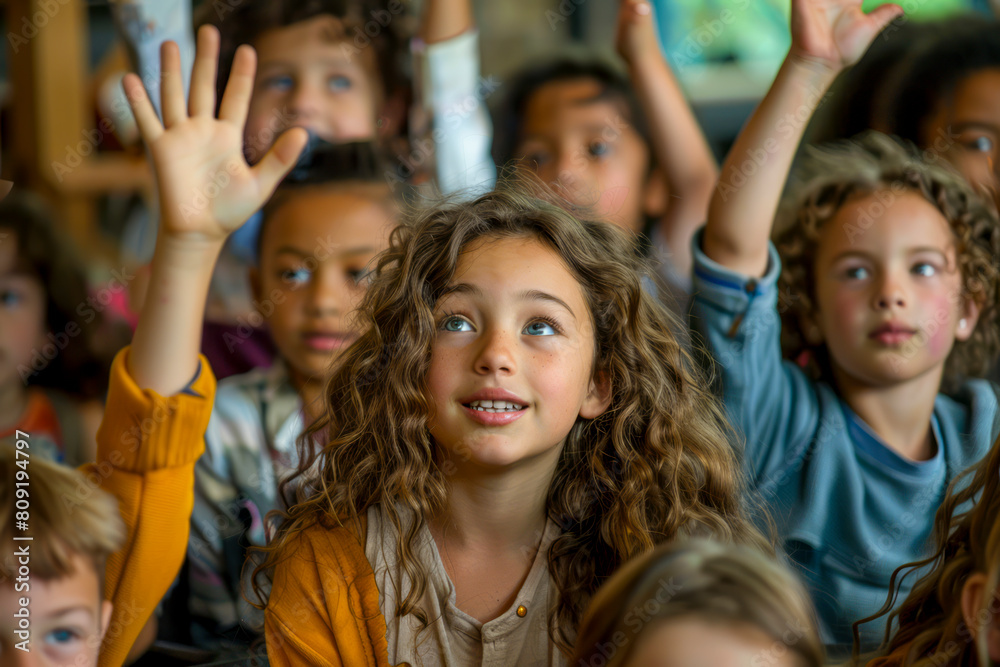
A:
{"points": [[493, 407]]}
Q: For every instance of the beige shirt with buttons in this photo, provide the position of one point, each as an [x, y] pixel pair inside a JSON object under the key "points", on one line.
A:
{"points": [[519, 636]]}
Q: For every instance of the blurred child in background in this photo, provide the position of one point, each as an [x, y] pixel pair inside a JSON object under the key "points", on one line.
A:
{"points": [[51, 380], [320, 232], [883, 268], [698, 602], [629, 148], [949, 101], [337, 68], [69, 614]]}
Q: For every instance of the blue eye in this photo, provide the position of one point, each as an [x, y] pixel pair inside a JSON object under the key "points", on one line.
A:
{"points": [[456, 324], [10, 299], [981, 144], [295, 278], [924, 269], [61, 636], [540, 328], [279, 82], [340, 82], [857, 273], [598, 148]]}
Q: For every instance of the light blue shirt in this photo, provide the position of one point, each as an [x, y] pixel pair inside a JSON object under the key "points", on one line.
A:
{"points": [[848, 509]]}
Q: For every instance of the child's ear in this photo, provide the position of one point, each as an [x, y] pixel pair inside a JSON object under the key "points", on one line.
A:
{"points": [[599, 397], [973, 592], [106, 608], [967, 323], [655, 195]]}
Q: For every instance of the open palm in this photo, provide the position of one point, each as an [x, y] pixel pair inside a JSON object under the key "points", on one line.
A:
{"points": [[206, 187], [836, 32]]}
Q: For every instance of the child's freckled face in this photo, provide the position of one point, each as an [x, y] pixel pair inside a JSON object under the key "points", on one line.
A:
{"points": [[584, 145], [67, 620], [306, 78], [515, 319], [22, 313], [966, 130], [888, 289], [691, 642], [315, 251]]}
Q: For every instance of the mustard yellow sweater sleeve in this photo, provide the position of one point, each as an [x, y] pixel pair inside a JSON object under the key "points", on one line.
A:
{"points": [[323, 607], [146, 450]]}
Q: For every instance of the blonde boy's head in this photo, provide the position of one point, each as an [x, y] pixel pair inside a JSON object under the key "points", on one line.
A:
{"points": [[51, 585]]}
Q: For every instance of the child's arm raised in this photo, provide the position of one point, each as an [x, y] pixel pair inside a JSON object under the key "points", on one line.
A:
{"points": [[207, 190], [453, 92], [154, 423], [445, 19], [826, 36], [679, 147]]}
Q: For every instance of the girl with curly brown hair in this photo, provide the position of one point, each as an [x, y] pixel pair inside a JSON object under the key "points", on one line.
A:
{"points": [[888, 297], [952, 615], [516, 421]]}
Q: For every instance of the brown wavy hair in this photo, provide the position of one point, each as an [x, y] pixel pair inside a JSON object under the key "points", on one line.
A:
{"points": [[719, 583], [830, 177], [658, 464], [932, 629]]}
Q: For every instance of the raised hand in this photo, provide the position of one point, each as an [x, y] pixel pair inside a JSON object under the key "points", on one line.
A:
{"points": [[836, 33], [635, 37], [205, 185]]}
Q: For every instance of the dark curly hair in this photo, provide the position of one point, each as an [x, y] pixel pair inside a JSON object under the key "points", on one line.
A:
{"points": [[829, 177], [658, 464]]}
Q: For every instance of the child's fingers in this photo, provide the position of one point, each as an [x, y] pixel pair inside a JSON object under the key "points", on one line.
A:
{"points": [[236, 98], [202, 102], [280, 158], [145, 115], [641, 9], [883, 15], [171, 85]]}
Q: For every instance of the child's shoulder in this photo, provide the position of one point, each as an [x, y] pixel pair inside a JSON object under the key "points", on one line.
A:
{"points": [[969, 417], [325, 548]]}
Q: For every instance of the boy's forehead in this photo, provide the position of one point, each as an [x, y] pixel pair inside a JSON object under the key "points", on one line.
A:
{"points": [[578, 101], [885, 220], [79, 590], [324, 37], [337, 216]]}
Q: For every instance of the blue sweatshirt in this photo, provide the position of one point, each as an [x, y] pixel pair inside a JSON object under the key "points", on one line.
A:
{"points": [[848, 509]]}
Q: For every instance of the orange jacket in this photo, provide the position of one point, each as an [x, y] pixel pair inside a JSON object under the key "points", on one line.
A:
{"points": [[146, 450], [323, 608]]}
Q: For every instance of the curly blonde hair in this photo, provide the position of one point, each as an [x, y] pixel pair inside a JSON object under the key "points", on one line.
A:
{"points": [[659, 463], [718, 583], [831, 176], [932, 629]]}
